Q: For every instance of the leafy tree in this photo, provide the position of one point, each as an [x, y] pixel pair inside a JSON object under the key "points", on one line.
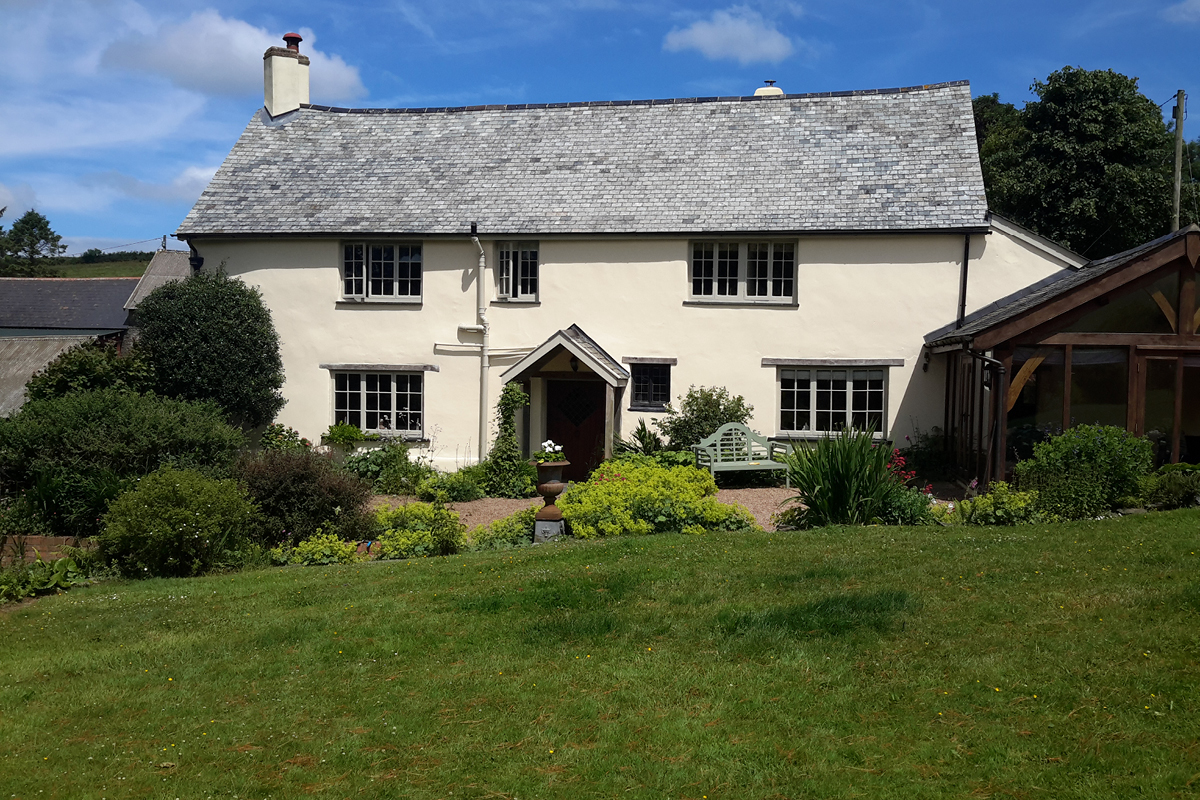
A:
{"points": [[31, 246], [1086, 164], [89, 366], [210, 337], [701, 411]]}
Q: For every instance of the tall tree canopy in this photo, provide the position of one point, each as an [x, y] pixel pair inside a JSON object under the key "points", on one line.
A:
{"points": [[210, 337], [30, 247], [1087, 164]]}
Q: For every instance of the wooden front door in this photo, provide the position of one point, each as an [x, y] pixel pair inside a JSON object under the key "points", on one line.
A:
{"points": [[575, 420]]}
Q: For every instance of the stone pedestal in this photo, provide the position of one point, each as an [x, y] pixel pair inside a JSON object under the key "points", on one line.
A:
{"points": [[548, 522]]}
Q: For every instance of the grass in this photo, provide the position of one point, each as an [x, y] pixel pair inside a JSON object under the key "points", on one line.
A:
{"points": [[1044, 661], [106, 269]]}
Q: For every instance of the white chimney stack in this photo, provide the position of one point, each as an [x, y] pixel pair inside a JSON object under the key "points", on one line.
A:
{"points": [[285, 76]]}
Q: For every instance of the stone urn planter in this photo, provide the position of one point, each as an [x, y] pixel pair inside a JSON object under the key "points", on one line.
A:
{"points": [[548, 522]]}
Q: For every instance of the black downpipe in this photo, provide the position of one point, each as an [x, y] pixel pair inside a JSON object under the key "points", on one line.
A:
{"points": [[962, 283]]}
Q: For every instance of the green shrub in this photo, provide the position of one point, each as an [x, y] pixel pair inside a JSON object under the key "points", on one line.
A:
{"points": [[841, 480], [20, 580], [177, 523], [928, 454], [89, 366], [322, 549], [341, 434], [1175, 488], [389, 468], [282, 437], [701, 411], [505, 472], [642, 442], [515, 530], [1085, 471], [301, 492], [454, 487], [906, 505], [415, 530], [1002, 505], [72, 455], [210, 337], [638, 496]]}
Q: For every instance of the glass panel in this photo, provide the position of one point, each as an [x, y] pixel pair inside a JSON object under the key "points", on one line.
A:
{"points": [[757, 266], [702, 269], [783, 270], [1151, 309], [1099, 386], [1159, 423], [506, 271], [867, 399], [831, 400], [529, 273], [1037, 411], [408, 270], [352, 270], [795, 400], [727, 270], [1190, 433]]}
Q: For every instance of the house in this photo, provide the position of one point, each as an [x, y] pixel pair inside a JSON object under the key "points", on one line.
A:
{"points": [[41, 318], [796, 249]]}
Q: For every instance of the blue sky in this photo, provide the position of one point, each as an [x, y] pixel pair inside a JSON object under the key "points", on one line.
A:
{"points": [[114, 113]]}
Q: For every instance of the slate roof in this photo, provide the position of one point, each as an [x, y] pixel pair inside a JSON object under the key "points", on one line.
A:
{"points": [[65, 303], [166, 266], [1047, 290], [880, 160], [21, 357], [589, 345]]}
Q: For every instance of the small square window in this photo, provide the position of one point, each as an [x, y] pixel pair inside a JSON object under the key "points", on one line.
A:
{"points": [[517, 271], [651, 386]]}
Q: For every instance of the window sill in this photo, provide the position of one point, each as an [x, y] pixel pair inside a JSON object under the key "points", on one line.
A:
{"points": [[653, 409], [743, 303], [511, 301], [813, 436], [371, 301]]}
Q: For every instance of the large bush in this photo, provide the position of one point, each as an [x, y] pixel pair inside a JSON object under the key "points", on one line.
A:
{"points": [[701, 411], [301, 492], [638, 495], [177, 523], [1085, 471], [390, 468], [90, 366], [71, 455], [210, 337], [847, 479]]}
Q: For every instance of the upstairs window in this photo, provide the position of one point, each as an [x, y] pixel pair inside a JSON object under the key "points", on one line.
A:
{"points": [[518, 271], [747, 271], [372, 271]]}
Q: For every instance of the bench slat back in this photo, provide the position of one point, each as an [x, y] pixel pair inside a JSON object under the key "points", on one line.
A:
{"points": [[735, 442]]}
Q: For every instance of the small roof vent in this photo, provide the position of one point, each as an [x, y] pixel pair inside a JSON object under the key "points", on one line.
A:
{"points": [[770, 90]]}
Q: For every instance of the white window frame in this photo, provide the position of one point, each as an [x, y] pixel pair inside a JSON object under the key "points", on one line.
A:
{"points": [[723, 269], [518, 272], [831, 407], [382, 272], [354, 392]]}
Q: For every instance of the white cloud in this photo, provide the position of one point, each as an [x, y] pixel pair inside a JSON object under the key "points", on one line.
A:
{"points": [[216, 55], [185, 187], [739, 33], [1187, 11], [17, 199]]}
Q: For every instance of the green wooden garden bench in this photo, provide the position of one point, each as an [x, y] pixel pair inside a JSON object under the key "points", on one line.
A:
{"points": [[734, 448]]}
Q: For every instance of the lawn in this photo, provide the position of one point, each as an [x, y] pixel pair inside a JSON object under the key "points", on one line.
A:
{"points": [[1043, 661]]}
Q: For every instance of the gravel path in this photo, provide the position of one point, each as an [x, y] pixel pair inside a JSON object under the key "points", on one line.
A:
{"points": [[762, 503]]}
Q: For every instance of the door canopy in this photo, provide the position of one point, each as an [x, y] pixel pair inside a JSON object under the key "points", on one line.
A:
{"points": [[580, 346]]}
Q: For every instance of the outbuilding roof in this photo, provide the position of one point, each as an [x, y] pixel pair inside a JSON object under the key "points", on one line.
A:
{"points": [[65, 303], [880, 160], [166, 266]]}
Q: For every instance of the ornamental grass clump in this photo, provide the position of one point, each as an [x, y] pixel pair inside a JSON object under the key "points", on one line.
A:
{"points": [[637, 495], [848, 479]]}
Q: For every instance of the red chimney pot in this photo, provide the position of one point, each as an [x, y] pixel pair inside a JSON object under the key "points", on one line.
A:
{"points": [[293, 41]]}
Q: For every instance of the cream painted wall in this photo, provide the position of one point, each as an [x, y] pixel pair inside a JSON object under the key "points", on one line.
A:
{"points": [[859, 297]]}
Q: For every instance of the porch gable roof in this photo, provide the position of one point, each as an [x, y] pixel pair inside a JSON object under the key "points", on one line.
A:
{"points": [[578, 344]]}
